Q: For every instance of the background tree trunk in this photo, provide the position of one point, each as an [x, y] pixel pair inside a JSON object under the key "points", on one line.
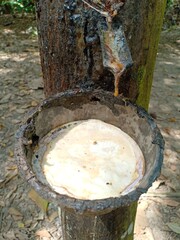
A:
{"points": [[70, 48]]}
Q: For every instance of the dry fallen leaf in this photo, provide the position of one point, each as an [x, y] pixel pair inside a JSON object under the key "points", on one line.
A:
{"points": [[20, 225], [43, 233], [33, 226], [40, 202], [11, 153], [21, 111], [21, 235], [173, 167], [10, 192], [172, 203], [14, 211], [2, 203], [157, 184], [53, 216], [175, 227], [2, 180], [172, 120], [34, 103], [2, 144], [40, 216], [167, 130], [15, 121], [12, 167], [10, 235], [167, 202]]}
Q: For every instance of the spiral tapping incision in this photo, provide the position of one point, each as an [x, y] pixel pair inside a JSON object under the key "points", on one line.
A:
{"points": [[115, 51]]}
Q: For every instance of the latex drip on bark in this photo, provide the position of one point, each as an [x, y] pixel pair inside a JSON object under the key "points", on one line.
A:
{"points": [[115, 51]]}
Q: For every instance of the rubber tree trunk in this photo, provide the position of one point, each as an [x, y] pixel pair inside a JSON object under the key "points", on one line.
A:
{"points": [[71, 57], [70, 48], [116, 225]]}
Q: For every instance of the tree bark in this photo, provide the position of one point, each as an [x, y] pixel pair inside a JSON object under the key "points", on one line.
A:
{"points": [[71, 57], [70, 49], [115, 225]]}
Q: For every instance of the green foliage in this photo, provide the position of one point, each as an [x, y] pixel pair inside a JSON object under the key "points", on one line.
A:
{"points": [[169, 3], [172, 13], [16, 6]]}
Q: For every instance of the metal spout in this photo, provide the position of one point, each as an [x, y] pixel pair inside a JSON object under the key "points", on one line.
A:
{"points": [[114, 46], [115, 51]]}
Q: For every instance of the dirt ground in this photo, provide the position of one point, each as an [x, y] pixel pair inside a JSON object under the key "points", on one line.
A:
{"points": [[22, 215]]}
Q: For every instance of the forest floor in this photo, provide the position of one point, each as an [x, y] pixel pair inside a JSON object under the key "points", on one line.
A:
{"points": [[22, 214]]}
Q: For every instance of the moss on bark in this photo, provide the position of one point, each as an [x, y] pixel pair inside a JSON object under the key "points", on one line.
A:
{"points": [[151, 40]]}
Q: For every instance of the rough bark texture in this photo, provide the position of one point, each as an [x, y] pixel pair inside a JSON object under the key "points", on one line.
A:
{"points": [[71, 53], [116, 225]]}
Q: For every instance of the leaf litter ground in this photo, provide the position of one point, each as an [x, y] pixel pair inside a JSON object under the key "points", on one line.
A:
{"points": [[23, 215]]}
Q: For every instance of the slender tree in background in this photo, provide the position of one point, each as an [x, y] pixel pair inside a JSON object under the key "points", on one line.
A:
{"points": [[71, 53]]}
